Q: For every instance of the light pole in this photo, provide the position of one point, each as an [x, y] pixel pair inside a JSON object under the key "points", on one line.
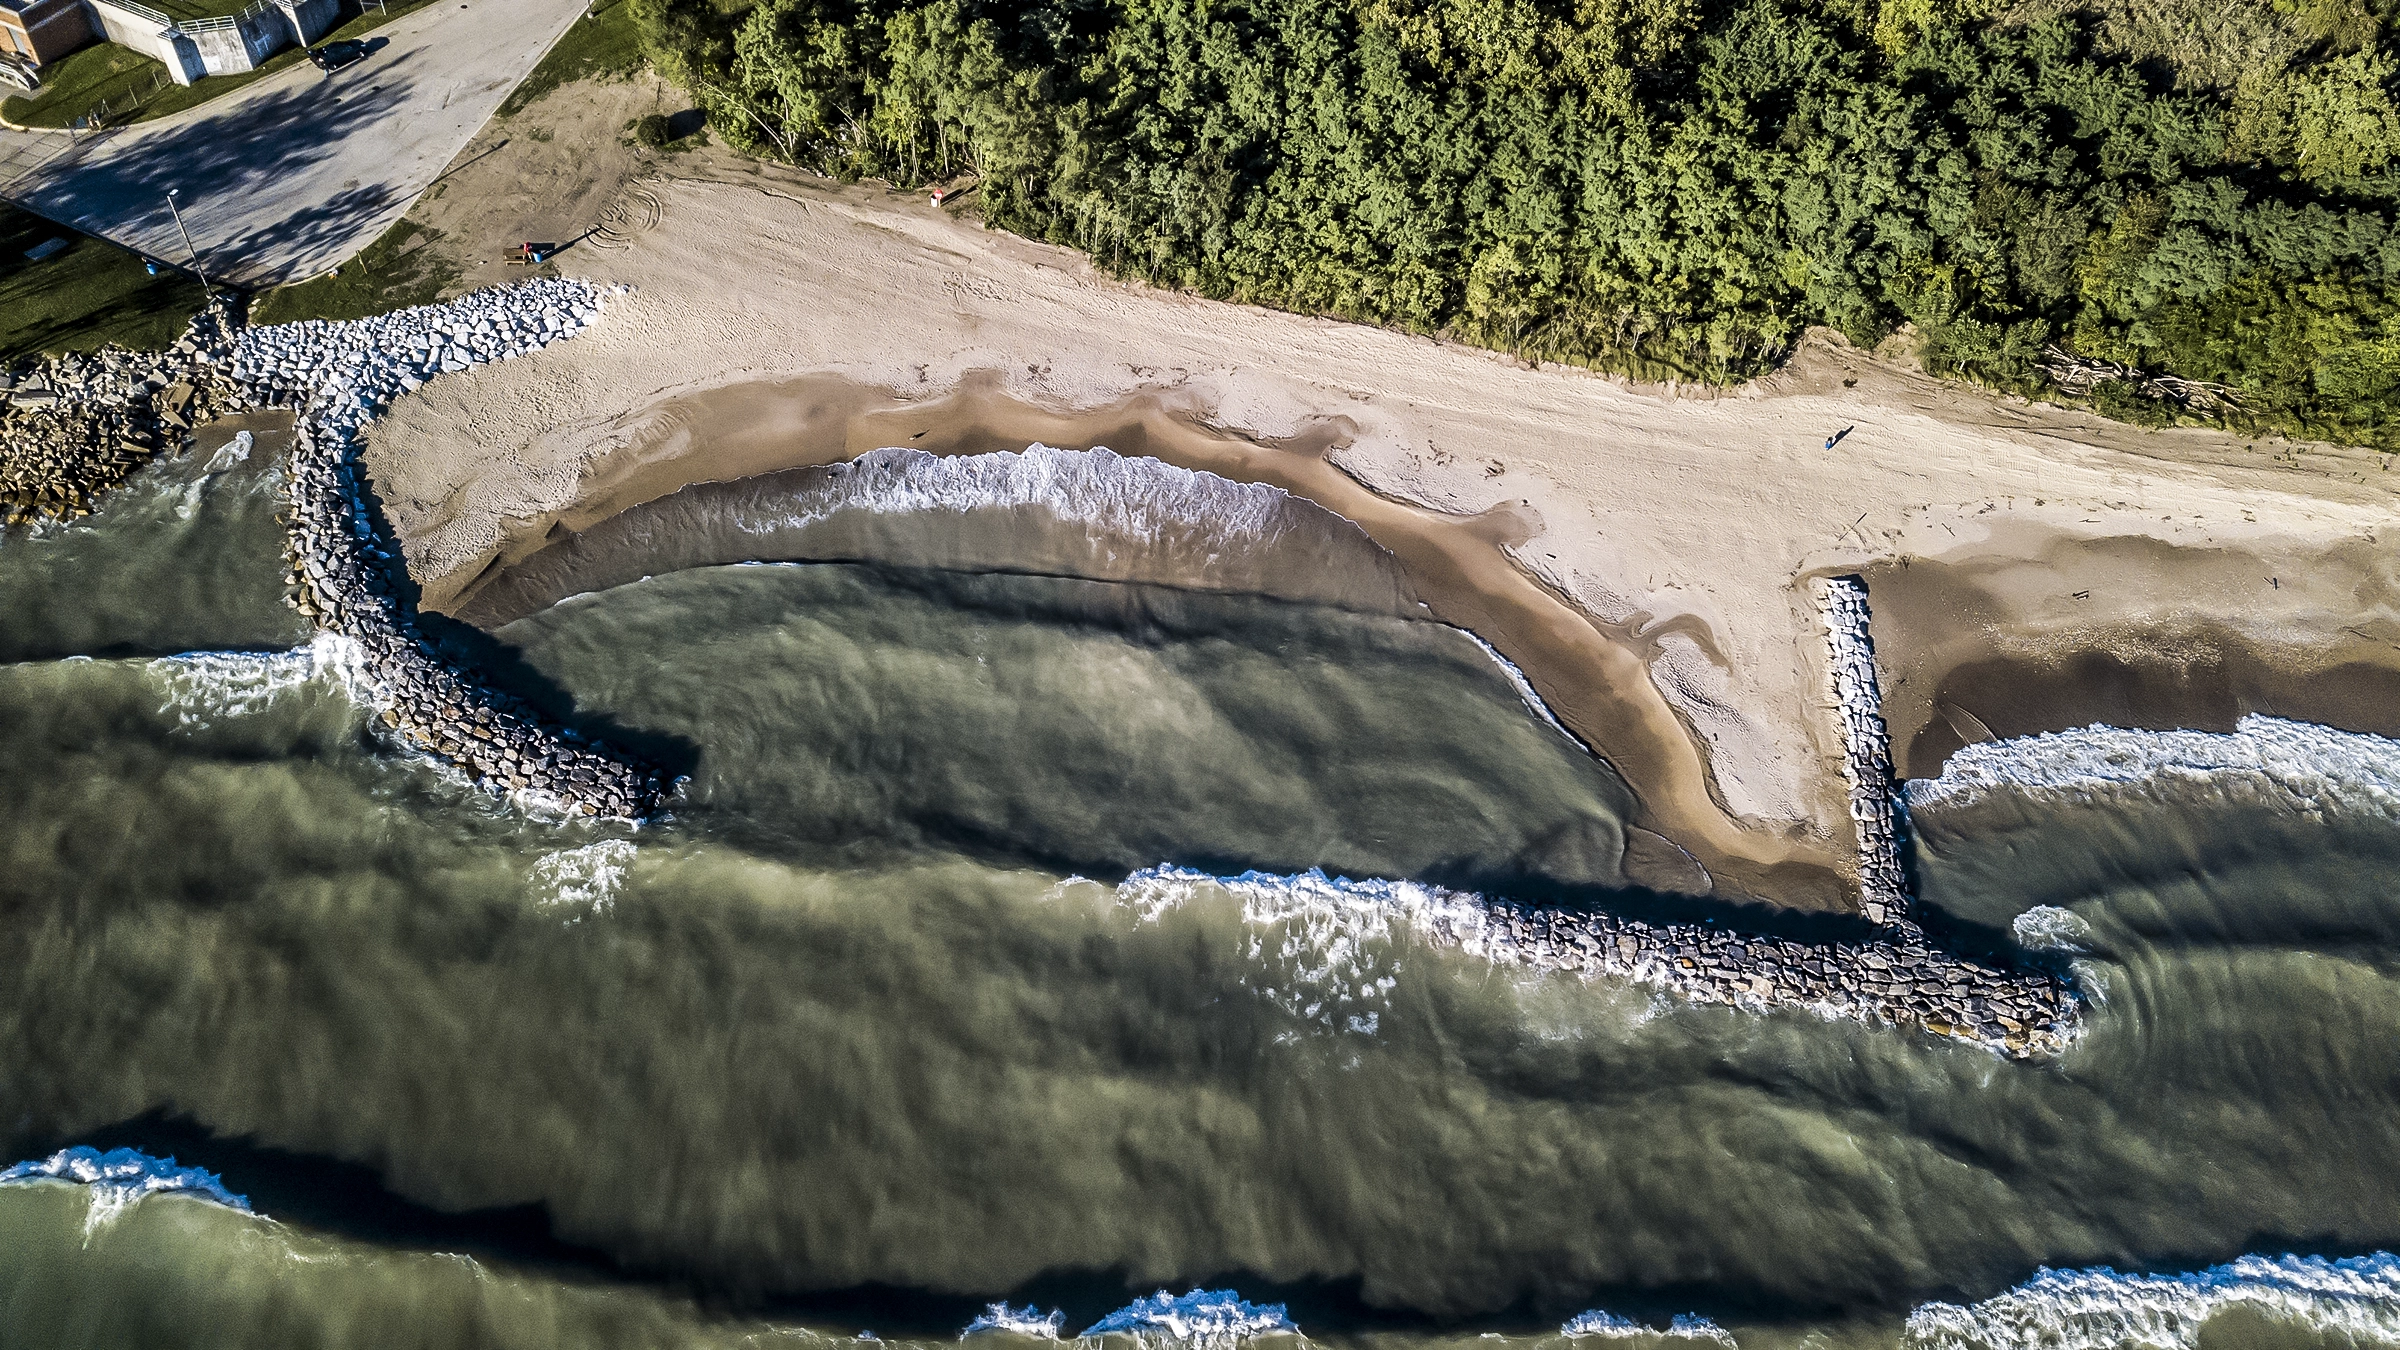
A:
{"points": [[188, 247]]}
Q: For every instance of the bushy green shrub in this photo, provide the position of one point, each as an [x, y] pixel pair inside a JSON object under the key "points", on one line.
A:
{"points": [[1658, 186]]}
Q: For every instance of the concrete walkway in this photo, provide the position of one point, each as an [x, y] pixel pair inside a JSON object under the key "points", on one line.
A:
{"points": [[298, 172]]}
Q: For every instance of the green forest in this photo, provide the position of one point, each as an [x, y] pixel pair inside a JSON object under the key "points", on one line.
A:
{"points": [[2182, 208]]}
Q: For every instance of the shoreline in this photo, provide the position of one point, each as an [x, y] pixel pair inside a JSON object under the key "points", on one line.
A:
{"points": [[1663, 546], [1592, 676], [1043, 511], [2026, 634], [336, 377]]}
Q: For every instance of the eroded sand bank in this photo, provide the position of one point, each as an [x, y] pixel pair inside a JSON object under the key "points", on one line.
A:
{"points": [[778, 317]]}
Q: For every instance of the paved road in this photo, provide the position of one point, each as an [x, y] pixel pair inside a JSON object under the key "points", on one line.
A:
{"points": [[21, 152], [298, 172]]}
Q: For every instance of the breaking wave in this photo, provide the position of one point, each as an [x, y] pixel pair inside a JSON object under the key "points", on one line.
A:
{"points": [[1093, 514], [1138, 497], [2099, 1309], [199, 686], [2048, 928], [1334, 938], [1597, 1322], [2310, 770], [1026, 1321], [1524, 687], [585, 879], [120, 1178], [1211, 1319]]}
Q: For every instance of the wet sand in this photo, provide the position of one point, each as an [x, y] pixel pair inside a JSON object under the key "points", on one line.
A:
{"points": [[2035, 631]]}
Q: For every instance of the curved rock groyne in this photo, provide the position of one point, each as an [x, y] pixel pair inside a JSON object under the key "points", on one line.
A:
{"points": [[346, 576], [1866, 750]]}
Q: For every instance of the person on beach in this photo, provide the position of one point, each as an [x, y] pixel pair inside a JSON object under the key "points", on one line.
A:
{"points": [[1836, 438]]}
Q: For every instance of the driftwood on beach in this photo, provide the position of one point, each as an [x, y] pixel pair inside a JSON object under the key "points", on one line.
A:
{"points": [[2082, 375]]}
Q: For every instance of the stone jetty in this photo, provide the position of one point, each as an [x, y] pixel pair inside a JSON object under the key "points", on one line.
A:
{"points": [[74, 426], [1866, 749], [1894, 978], [347, 576]]}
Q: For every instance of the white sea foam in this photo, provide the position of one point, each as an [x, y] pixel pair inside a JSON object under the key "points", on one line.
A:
{"points": [[1599, 1322], [2100, 1309], [1026, 1321], [1333, 936], [586, 879], [2048, 928], [2299, 766], [233, 452], [1525, 689], [1112, 494], [202, 686], [120, 1178], [1211, 1319]]}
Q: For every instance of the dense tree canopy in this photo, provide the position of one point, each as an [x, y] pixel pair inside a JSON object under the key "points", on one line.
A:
{"points": [[2205, 188]]}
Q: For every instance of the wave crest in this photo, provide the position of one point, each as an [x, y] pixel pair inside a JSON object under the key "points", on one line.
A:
{"points": [[1026, 1321], [1129, 495], [1209, 1319], [2100, 1308], [1334, 936], [120, 1178], [1092, 513], [586, 878], [200, 686], [1600, 1322], [2298, 766]]}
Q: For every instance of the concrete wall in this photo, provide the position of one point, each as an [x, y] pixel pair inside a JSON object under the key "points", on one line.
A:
{"points": [[243, 42], [227, 46], [138, 28], [310, 19], [236, 47]]}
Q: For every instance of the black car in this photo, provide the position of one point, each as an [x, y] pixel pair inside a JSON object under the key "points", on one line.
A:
{"points": [[335, 55]]}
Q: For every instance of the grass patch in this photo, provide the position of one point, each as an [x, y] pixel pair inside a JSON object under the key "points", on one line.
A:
{"points": [[134, 88], [606, 43], [396, 271], [87, 294], [82, 82]]}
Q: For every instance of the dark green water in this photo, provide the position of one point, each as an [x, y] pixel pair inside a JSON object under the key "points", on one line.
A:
{"points": [[848, 1042]]}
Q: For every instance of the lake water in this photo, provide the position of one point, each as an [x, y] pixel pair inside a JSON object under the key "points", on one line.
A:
{"points": [[937, 987]]}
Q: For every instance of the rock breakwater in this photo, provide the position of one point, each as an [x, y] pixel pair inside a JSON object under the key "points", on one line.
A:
{"points": [[349, 579], [1892, 976], [1866, 749], [74, 426], [1889, 978], [1897, 980]]}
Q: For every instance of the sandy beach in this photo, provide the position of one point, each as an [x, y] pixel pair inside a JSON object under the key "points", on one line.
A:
{"points": [[1641, 552]]}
